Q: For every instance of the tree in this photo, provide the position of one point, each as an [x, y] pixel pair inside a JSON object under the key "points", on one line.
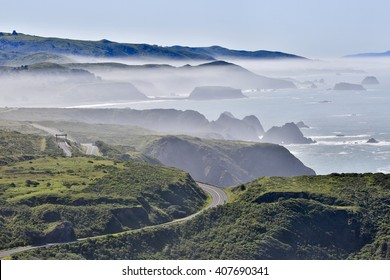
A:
{"points": [[14, 33]]}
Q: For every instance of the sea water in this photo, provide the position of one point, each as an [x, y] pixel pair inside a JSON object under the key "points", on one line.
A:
{"points": [[340, 122]]}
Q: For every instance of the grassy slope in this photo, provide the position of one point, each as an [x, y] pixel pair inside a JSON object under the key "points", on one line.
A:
{"points": [[15, 146], [97, 196], [109, 133], [317, 217], [42, 193]]}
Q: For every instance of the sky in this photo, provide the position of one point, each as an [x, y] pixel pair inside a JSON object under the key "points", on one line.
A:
{"points": [[311, 28]]}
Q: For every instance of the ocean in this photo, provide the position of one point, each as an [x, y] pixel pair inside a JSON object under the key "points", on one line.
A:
{"points": [[340, 121]]}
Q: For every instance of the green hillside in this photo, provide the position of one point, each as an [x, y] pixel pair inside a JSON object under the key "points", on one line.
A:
{"points": [[15, 146], [23, 43], [60, 199], [343, 216], [104, 48]]}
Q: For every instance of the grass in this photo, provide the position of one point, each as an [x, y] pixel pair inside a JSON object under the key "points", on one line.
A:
{"points": [[338, 216], [97, 195]]}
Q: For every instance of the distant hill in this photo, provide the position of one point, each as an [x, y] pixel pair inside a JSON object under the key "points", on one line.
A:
{"points": [[223, 53], [18, 59], [163, 79], [48, 84], [187, 122], [363, 55], [29, 44]]}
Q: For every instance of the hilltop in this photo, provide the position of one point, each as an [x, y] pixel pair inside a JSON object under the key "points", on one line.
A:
{"points": [[28, 44]]}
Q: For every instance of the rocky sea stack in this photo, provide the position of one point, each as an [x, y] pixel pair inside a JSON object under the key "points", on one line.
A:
{"points": [[348, 86], [370, 80]]}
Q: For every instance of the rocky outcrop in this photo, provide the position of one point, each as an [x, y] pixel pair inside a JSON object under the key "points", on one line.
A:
{"points": [[254, 123], [370, 80], [372, 141], [301, 124], [215, 92], [287, 134], [348, 86], [231, 128]]}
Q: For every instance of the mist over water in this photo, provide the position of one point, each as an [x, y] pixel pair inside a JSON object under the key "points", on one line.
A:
{"points": [[356, 115], [340, 121]]}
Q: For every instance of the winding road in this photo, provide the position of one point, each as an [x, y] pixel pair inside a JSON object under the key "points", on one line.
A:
{"points": [[218, 196], [52, 131], [90, 149]]}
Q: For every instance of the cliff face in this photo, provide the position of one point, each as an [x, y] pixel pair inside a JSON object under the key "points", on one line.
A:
{"points": [[287, 134], [225, 163]]}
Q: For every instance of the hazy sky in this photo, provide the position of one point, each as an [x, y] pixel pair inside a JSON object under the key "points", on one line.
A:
{"points": [[313, 28]]}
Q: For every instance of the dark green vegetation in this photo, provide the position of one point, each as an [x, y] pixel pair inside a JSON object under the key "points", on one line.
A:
{"points": [[318, 217], [48, 198], [15, 146], [22, 43]]}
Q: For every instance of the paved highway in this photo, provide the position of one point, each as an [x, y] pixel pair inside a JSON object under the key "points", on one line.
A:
{"points": [[61, 143], [218, 195], [91, 149]]}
